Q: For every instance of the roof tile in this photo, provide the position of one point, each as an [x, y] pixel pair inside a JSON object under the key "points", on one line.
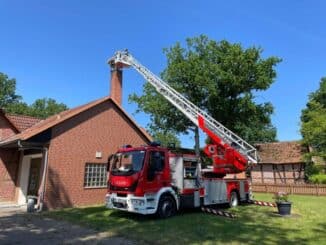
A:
{"points": [[22, 122], [281, 152]]}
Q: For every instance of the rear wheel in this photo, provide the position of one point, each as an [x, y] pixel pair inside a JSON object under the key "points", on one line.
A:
{"points": [[234, 199], [166, 207]]}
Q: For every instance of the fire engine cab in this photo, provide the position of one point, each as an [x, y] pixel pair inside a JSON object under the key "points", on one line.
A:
{"points": [[152, 179]]}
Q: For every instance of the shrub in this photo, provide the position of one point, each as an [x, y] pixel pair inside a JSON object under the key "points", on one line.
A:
{"points": [[318, 179], [281, 196]]}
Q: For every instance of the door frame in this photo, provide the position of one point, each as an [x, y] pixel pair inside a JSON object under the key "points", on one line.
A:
{"points": [[24, 176]]}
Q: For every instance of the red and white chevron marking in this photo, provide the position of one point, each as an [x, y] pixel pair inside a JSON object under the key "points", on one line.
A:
{"points": [[218, 212], [262, 203]]}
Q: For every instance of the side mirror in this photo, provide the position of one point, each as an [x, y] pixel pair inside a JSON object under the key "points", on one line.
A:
{"points": [[108, 165]]}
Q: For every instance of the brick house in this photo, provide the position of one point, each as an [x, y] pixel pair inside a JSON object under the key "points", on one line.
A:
{"points": [[62, 159], [281, 163]]}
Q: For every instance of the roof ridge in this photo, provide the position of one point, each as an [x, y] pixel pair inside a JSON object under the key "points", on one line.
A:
{"points": [[62, 114]]}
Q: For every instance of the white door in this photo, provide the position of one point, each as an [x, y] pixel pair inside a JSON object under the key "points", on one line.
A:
{"points": [[24, 177]]}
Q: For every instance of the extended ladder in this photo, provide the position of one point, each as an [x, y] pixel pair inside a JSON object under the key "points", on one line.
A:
{"points": [[192, 112]]}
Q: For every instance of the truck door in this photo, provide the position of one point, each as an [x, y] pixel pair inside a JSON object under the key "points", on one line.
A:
{"points": [[155, 169]]}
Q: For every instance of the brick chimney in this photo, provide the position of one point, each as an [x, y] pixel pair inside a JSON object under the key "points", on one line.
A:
{"points": [[116, 84]]}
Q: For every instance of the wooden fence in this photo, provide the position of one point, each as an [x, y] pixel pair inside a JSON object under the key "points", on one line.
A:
{"points": [[302, 189]]}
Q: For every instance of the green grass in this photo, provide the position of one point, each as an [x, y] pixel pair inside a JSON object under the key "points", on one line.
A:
{"points": [[254, 224]]}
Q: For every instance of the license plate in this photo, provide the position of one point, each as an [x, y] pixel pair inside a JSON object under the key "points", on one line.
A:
{"points": [[119, 203], [117, 200]]}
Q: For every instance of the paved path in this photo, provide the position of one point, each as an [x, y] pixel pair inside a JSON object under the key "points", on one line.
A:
{"points": [[19, 227]]}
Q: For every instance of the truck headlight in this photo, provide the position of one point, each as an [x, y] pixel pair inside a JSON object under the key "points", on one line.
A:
{"points": [[107, 197], [137, 202]]}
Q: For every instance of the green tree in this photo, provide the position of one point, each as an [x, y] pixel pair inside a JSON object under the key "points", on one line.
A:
{"points": [[313, 121], [8, 94], [43, 108], [165, 138], [12, 103], [219, 77], [19, 108]]}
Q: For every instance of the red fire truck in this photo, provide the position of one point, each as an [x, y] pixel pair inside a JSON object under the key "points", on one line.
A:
{"points": [[153, 179]]}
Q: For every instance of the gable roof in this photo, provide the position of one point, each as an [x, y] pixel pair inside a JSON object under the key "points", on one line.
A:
{"points": [[281, 152], [3, 114], [65, 115], [22, 122]]}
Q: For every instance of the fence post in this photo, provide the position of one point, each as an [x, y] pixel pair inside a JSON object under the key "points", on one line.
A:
{"points": [[291, 189], [317, 189]]}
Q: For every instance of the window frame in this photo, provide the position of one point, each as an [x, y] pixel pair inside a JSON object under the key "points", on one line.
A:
{"points": [[95, 172]]}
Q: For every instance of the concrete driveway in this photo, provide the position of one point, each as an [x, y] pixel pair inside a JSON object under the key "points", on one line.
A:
{"points": [[19, 227]]}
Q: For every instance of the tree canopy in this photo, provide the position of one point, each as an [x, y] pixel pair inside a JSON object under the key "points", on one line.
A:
{"points": [[8, 91], [313, 121], [45, 107], [220, 78], [165, 138], [13, 103]]}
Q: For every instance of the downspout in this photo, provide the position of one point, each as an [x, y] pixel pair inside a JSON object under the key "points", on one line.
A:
{"points": [[45, 157]]}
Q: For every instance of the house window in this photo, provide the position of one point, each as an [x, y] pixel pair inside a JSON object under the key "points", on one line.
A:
{"points": [[95, 175]]}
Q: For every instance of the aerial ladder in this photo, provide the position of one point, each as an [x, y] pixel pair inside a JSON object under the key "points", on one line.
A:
{"points": [[229, 152]]}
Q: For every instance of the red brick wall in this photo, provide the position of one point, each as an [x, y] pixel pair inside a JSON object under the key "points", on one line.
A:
{"points": [[74, 142], [9, 160], [6, 130], [116, 85]]}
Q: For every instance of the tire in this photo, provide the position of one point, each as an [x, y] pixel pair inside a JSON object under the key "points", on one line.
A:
{"points": [[166, 207], [234, 199]]}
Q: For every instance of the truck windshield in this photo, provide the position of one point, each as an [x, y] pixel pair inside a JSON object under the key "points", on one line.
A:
{"points": [[127, 162]]}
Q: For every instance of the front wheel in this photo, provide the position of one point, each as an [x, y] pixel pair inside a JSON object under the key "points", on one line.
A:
{"points": [[166, 207], [234, 199]]}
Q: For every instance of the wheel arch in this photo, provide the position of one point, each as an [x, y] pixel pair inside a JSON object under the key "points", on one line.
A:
{"points": [[170, 192]]}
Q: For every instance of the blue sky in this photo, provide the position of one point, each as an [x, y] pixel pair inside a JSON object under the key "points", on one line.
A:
{"points": [[59, 49]]}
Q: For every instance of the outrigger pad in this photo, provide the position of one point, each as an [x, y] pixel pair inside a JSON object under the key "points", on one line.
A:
{"points": [[218, 212], [263, 203]]}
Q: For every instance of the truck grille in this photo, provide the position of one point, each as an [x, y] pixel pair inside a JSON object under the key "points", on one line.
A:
{"points": [[120, 204], [118, 188]]}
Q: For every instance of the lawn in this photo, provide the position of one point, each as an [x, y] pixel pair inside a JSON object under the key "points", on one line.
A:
{"points": [[254, 224]]}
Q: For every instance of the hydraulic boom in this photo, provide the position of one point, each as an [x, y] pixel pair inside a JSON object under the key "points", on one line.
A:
{"points": [[230, 153]]}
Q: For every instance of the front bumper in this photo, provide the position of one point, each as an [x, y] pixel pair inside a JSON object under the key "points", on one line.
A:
{"points": [[131, 203]]}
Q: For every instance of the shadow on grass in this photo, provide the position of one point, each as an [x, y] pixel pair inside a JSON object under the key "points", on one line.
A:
{"points": [[320, 229], [26, 228], [254, 225]]}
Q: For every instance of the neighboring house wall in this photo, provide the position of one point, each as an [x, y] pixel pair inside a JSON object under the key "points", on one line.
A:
{"points": [[278, 173], [8, 163], [6, 129], [102, 128], [9, 160], [280, 163]]}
